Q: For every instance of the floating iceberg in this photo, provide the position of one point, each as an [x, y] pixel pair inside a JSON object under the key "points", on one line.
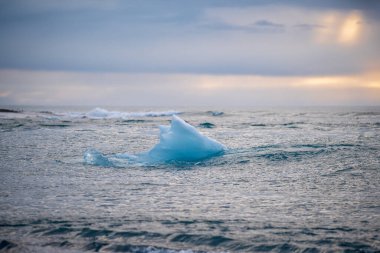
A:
{"points": [[178, 142], [182, 142]]}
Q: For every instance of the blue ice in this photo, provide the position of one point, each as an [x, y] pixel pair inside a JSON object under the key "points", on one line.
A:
{"points": [[178, 142], [182, 142]]}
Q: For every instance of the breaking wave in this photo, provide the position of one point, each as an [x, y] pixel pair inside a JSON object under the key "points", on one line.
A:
{"points": [[96, 113], [100, 113]]}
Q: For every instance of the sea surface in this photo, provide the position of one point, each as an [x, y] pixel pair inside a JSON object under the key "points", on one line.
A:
{"points": [[291, 180]]}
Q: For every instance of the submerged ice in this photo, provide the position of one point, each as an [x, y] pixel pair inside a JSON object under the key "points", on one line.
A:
{"points": [[178, 142]]}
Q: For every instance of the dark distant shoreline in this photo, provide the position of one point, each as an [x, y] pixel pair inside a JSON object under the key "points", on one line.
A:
{"points": [[9, 110]]}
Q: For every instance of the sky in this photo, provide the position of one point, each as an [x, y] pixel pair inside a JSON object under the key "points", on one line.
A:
{"points": [[190, 53]]}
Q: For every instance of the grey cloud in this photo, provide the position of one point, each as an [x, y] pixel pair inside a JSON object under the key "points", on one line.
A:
{"points": [[308, 27], [162, 36], [266, 23], [260, 26]]}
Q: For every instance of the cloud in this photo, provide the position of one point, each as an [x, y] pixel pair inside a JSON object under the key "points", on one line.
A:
{"points": [[31, 7], [195, 37], [308, 27], [87, 88], [266, 23], [341, 28], [259, 26]]}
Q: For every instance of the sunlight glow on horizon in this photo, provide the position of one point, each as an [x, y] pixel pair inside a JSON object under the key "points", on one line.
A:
{"points": [[64, 88], [365, 80]]}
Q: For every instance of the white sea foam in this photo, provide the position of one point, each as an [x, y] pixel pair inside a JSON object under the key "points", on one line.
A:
{"points": [[96, 113], [100, 113]]}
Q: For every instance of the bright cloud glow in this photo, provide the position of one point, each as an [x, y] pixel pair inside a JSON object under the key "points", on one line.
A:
{"points": [[350, 30], [342, 28]]}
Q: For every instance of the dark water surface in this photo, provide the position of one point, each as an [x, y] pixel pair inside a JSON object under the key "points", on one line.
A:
{"points": [[305, 180]]}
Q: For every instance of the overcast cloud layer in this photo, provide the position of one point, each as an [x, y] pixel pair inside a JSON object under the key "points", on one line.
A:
{"points": [[281, 39]]}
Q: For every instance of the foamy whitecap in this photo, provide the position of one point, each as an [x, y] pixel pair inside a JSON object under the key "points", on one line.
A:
{"points": [[96, 113], [100, 113]]}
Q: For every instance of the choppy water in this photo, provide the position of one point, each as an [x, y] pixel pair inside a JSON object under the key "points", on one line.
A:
{"points": [[291, 180]]}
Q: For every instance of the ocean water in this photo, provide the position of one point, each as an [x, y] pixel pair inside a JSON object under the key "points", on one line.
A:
{"points": [[290, 180]]}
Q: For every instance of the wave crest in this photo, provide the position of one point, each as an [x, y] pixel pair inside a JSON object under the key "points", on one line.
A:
{"points": [[100, 113]]}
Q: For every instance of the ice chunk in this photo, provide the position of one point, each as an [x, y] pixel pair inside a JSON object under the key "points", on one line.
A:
{"points": [[178, 142], [94, 157], [182, 142]]}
